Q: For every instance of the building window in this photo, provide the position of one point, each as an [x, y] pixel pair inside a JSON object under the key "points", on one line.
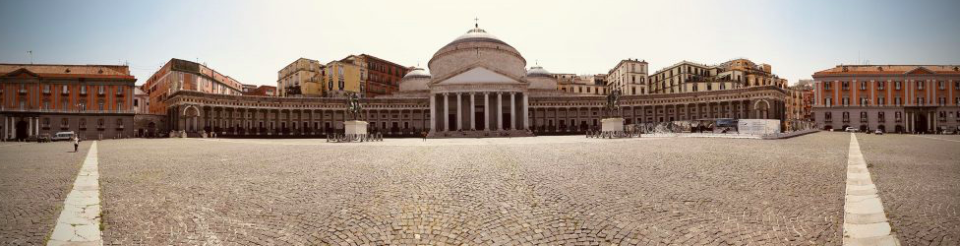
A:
{"points": [[898, 116], [863, 86], [845, 85], [896, 85], [863, 117], [940, 84], [920, 85], [828, 116], [881, 117], [826, 85], [83, 90], [100, 105], [880, 85], [64, 123], [46, 105], [896, 101], [846, 117], [119, 106], [83, 123], [100, 123], [46, 89], [46, 122], [119, 91]]}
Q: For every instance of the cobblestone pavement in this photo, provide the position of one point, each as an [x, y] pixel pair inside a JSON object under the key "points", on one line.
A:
{"points": [[919, 182], [34, 181], [646, 192]]}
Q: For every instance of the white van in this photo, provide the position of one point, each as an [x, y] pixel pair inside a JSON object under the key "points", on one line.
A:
{"points": [[63, 136]]}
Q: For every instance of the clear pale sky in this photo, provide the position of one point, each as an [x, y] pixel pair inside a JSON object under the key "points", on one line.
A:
{"points": [[252, 40]]}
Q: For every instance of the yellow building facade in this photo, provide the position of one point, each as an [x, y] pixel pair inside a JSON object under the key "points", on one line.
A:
{"points": [[300, 78], [343, 78]]}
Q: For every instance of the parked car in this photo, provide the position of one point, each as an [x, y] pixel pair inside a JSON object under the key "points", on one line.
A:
{"points": [[878, 132], [43, 138], [850, 129], [63, 136]]}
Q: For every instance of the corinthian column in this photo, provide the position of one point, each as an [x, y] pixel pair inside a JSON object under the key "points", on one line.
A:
{"points": [[499, 110], [433, 112], [513, 110], [446, 106], [460, 111], [486, 111], [473, 113]]}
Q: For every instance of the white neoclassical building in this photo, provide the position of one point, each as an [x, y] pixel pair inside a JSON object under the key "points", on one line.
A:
{"points": [[478, 83]]}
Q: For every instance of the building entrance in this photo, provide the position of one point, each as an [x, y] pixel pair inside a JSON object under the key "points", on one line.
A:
{"points": [[21, 130], [920, 123]]}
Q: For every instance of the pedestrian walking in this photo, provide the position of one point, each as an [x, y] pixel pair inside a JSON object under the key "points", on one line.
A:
{"points": [[76, 143], [424, 134]]}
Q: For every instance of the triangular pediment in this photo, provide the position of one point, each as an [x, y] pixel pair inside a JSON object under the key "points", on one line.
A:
{"points": [[21, 73], [478, 75], [920, 70]]}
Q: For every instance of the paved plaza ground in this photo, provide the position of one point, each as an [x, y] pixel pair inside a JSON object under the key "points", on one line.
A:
{"points": [[919, 182], [543, 190], [34, 181]]}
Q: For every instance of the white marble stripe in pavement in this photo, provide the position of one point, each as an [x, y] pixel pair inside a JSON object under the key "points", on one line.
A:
{"points": [[864, 221], [79, 222]]}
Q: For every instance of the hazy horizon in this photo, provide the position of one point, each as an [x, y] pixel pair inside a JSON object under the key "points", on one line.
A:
{"points": [[251, 40]]}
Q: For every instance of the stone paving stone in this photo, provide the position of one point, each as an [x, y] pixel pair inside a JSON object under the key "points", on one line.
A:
{"points": [[35, 178], [918, 178], [493, 192]]}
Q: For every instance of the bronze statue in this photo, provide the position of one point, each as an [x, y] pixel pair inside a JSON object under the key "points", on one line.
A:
{"points": [[613, 102], [354, 107]]}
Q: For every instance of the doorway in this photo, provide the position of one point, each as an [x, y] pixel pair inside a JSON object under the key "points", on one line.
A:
{"points": [[921, 123], [479, 117], [451, 122], [506, 121], [21, 130]]}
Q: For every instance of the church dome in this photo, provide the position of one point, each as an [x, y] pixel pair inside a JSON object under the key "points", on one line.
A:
{"points": [[417, 73], [415, 80], [541, 79], [477, 47], [538, 71]]}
